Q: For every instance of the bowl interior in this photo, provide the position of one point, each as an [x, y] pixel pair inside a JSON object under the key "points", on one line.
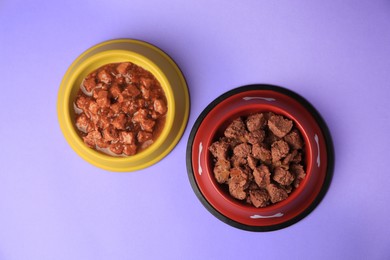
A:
{"points": [[115, 56], [217, 131]]}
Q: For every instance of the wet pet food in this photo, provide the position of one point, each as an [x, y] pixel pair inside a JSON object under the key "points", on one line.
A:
{"points": [[120, 109], [259, 159]]}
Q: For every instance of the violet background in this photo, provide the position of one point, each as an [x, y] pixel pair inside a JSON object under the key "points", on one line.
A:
{"points": [[54, 205]]}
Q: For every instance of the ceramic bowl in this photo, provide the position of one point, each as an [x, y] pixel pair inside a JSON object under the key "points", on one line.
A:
{"points": [[148, 57], [318, 152]]}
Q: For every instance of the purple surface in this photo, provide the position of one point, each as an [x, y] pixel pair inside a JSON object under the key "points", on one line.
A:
{"points": [[54, 205]]}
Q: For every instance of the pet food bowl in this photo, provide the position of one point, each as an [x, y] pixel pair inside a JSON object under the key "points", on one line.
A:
{"points": [[318, 151], [148, 57]]}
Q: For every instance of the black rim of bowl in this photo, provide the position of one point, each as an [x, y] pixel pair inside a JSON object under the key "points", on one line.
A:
{"points": [[329, 149]]}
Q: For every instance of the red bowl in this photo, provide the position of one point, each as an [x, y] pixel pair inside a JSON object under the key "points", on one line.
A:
{"points": [[243, 101]]}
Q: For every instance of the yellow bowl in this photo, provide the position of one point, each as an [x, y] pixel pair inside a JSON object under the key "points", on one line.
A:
{"points": [[148, 57]]}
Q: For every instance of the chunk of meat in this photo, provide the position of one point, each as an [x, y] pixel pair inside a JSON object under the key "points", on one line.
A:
{"points": [[232, 142], [261, 153], [96, 91], [287, 188], [82, 102], [279, 125], [294, 139], [236, 130], [282, 176], [119, 79], [142, 103], [255, 122], [242, 150], [280, 164], [132, 78], [116, 108], [129, 149], [297, 158], [102, 143], [143, 136], [262, 176], [255, 137], [238, 182], [160, 106], [154, 115], [147, 124], [93, 108], [289, 157], [127, 137], [222, 170], [252, 187], [104, 76], [130, 107], [119, 122], [115, 91], [110, 133], [94, 119], [276, 194], [259, 198], [270, 138], [116, 148], [147, 82], [279, 150], [140, 115], [89, 84], [123, 67], [219, 149], [299, 172], [238, 161], [103, 122], [131, 91], [102, 99], [102, 86], [106, 112], [145, 92], [252, 162], [83, 123], [91, 138]]}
